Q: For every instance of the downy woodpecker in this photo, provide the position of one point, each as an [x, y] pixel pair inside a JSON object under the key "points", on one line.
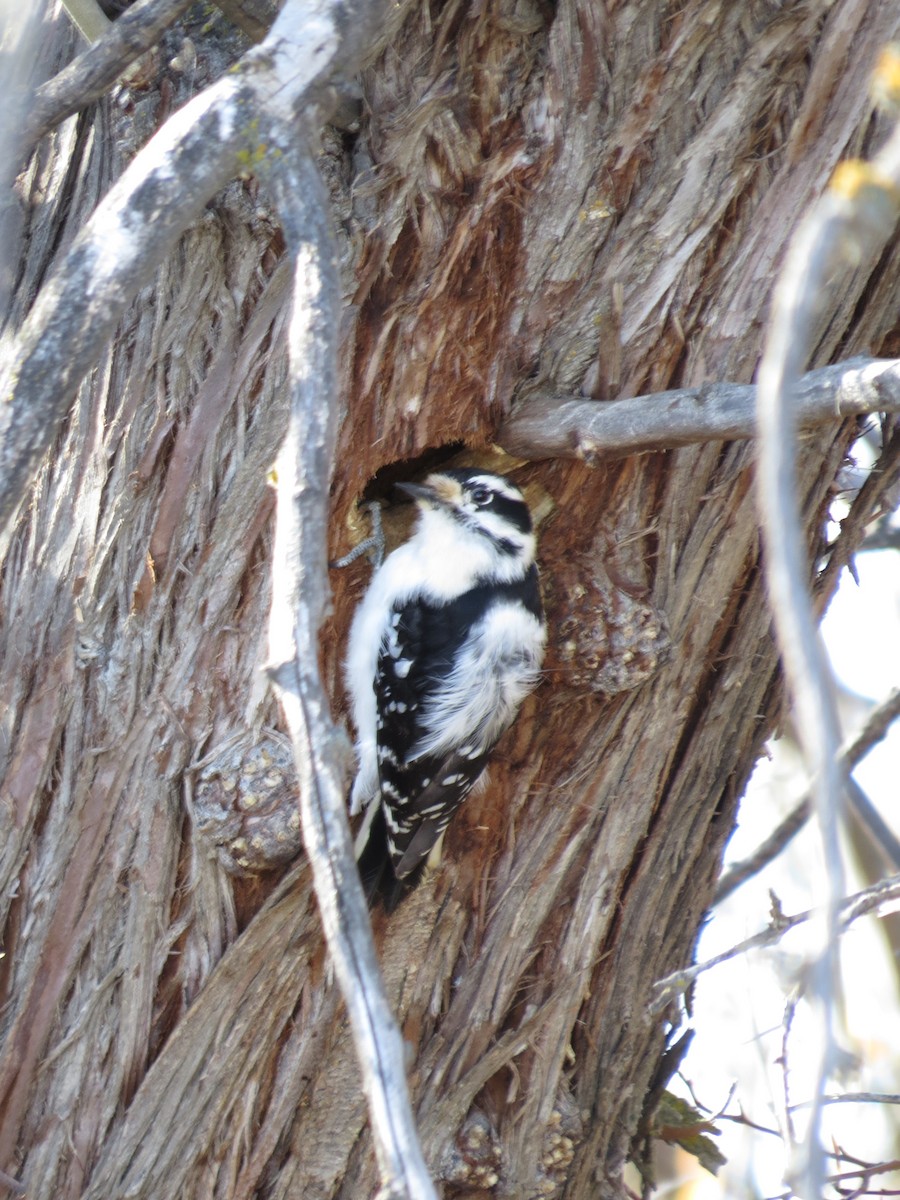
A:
{"points": [[444, 646]]}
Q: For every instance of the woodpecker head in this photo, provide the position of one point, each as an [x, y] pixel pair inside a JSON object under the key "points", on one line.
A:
{"points": [[481, 505]]}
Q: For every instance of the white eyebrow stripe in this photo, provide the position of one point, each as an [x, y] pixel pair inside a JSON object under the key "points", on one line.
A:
{"points": [[498, 486]]}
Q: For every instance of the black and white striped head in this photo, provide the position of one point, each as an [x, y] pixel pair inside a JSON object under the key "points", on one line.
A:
{"points": [[480, 504]]}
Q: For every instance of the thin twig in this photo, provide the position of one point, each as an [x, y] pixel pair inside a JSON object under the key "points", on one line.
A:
{"points": [[299, 603], [873, 731], [550, 425], [864, 1173], [845, 221], [765, 852], [93, 72], [789, 1135], [867, 902], [878, 489], [742, 1119], [857, 1098]]}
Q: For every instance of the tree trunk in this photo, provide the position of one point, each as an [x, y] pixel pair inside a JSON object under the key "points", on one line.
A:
{"points": [[594, 196]]}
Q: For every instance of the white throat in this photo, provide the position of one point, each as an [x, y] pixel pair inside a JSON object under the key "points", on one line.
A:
{"points": [[449, 558]]}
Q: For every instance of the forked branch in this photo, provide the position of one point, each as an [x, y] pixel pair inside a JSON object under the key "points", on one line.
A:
{"points": [[313, 44]]}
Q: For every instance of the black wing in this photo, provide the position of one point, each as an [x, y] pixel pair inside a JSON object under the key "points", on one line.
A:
{"points": [[421, 792]]}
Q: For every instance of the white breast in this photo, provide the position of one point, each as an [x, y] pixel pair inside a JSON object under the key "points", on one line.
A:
{"points": [[440, 562], [497, 669]]}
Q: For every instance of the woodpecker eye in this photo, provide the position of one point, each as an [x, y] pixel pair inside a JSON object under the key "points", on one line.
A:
{"points": [[481, 494]]}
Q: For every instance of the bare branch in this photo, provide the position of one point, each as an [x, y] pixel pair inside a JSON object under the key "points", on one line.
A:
{"points": [[299, 601], [863, 1173], [93, 72], [846, 221], [784, 1112], [875, 729], [548, 425], [858, 1098], [137, 222], [876, 493], [766, 851], [131, 230], [877, 900]]}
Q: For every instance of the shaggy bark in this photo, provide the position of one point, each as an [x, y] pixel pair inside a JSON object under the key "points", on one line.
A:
{"points": [[586, 199]]}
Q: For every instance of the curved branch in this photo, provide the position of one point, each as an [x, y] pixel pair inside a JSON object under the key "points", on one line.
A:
{"points": [[855, 217], [549, 425], [299, 603], [196, 152]]}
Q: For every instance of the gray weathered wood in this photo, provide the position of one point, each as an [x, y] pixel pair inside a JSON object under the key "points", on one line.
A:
{"points": [[554, 426]]}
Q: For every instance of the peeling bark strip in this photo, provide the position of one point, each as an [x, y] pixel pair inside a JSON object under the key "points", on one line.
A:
{"points": [[553, 426], [630, 174]]}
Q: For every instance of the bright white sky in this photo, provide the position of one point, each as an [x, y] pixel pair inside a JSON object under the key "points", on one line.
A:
{"points": [[739, 1006]]}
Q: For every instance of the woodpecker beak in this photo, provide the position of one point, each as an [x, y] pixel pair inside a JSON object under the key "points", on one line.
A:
{"points": [[418, 491], [438, 491]]}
